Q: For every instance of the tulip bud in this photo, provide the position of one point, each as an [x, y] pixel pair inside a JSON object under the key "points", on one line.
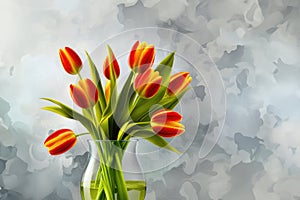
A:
{"points": [[166, 123], [70, 60], [60, 141], [141, 56], [178, 82], [85, 94], [106, 68], [148, 83]]}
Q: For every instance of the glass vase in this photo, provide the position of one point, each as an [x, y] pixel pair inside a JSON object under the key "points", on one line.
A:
{"points": [[113, 172]]}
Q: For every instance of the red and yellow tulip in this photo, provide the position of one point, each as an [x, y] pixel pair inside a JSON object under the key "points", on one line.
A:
{"points": [[178, 82], [148, 83], [70, 60], [106, 68], [84, 94], [166, 123], [60, 141], [141, 56]]}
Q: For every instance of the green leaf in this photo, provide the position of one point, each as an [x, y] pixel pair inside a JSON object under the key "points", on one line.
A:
{"points": [[103, 127], [172, 101], [165, 68], [113, 77], [101, 104], [87, 114], [154, 139], [122, 130], [120, 180], [143, 106], [123, 103], [57, 110], [75, 115]]}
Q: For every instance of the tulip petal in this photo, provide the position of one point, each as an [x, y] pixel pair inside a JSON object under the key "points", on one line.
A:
{"points": [[166, 123], [59, 140], [138, 53], [74, 58], [142, 79], [79, 96], [178, 82], [168, 131], [150, 90], [162, 116], [141, 56], [148, 83], [132, 54], [65, 62], [147, 58], [106, 68], [116, 67], [63, 148], [90, 89], [85, 94], [56, 133]]}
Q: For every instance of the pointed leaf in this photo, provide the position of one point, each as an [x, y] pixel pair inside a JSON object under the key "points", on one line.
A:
{"points": [[87, 114], [165, 68], [77, 116], [100, 106], [57, 110], [123, 103], [154, 139], [111, 67], [171, 102]]}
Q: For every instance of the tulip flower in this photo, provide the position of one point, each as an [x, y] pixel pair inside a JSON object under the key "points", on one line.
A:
{"points": [[166, 123], [148, 83], [106, 68], [70, 60], [60, 141], [85, 94], [141, 56], [178, 82]]}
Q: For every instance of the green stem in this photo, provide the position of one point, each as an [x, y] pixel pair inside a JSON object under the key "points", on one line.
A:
{"points": [[80, 134], [100, 194], [94, 119], [122, 192], [112, 177], [123, 130], [105, 174], [134, 104], [79, 75], [98, 176], [128, 126]]}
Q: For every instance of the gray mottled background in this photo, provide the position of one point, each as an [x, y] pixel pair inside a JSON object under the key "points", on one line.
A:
{"points": [[255, 45]]}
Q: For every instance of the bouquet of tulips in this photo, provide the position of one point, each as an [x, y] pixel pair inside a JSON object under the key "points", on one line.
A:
{"points": [[142, 108]]}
